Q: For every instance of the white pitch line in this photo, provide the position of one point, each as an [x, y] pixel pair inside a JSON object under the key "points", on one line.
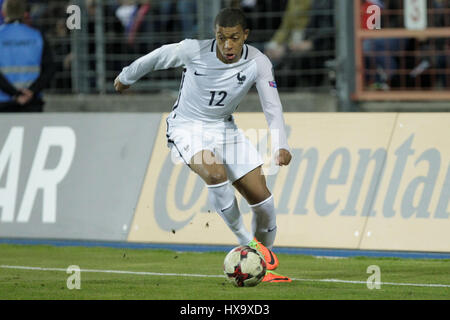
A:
{"points": [[142, 273], [381, 283], [145, 273]]}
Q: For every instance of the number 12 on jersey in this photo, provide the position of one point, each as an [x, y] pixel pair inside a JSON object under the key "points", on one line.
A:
{"points": [[221, 96]]}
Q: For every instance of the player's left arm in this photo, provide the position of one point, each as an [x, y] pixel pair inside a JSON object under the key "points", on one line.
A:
{"points": [[273, 111]]}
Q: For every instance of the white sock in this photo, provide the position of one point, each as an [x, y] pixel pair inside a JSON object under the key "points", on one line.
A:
{"points": [[264, 224], [222, 197]]}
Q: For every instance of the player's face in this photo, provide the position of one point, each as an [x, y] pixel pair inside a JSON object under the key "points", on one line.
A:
{"points": [[230, 41]]}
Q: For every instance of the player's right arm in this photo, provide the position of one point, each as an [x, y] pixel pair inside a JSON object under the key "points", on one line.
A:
{"points": [[165, 57]]}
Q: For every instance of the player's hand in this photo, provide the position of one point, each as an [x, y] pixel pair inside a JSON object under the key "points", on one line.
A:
{"points": [[283, 157], [119, 86]]}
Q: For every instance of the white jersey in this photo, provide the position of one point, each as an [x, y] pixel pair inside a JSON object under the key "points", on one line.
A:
{"points": [[211, 90]]}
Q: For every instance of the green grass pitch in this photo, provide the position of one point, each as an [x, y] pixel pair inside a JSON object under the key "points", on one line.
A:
{"points": [[149, 274]]}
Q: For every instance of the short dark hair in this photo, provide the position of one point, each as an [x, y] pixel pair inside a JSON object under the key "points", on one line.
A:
{"points": [[231, 17]]}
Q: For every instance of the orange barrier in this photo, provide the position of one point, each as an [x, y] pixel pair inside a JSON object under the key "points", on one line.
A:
{"points": [[401, 92]]}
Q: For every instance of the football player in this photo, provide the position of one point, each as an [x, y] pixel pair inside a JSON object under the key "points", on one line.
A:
{"points": [[201, 130]]}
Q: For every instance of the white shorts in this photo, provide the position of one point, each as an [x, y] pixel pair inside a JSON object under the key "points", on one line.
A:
{"points": [[228, 143]]}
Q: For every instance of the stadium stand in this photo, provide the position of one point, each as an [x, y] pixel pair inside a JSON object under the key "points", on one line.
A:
{"points": [[390, 63]]}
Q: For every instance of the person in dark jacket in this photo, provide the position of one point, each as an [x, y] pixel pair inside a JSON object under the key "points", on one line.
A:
{"points": [[26, 66]]}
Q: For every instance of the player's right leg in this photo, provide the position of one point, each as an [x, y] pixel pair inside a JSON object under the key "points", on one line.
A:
{"points": [[220, 192], [221, 195]]}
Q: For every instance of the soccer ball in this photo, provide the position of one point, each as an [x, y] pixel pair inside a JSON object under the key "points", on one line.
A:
{"points": [[244, 266]]}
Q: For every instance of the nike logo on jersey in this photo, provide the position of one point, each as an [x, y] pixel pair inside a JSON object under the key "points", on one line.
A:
{"points": [[198, 74], [222, 210]]}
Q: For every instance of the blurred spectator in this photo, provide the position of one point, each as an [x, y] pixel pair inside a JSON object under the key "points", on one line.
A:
{"points": [[143, 17], [111, 29], [292, 31], [288, 43], [25, 62], [186, 10], [1, 14], [137, 20], [125, 12], [381, 58], [321, 31], [132, 14], [262, 18], [304, 42], [428, 60], [59, 36]]}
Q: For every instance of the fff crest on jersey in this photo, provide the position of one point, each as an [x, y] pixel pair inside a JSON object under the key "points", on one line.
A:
{"points": [[241, 78]]}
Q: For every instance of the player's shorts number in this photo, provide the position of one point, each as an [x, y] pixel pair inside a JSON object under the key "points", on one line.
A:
{"points": [[221, 96]]}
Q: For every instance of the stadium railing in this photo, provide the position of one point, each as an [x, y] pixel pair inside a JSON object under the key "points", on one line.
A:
{"points": [[114, 33], [396, 63]]}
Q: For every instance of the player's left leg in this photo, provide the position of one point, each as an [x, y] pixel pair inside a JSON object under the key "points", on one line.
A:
{"points": [[248, 178], [244, 168], [253, 188]]}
